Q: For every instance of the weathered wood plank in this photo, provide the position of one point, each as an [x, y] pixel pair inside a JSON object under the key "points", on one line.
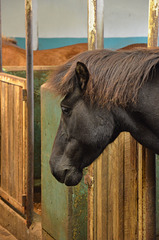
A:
{"points": [[104, 195], [90, 235], [20, 146], [35, 68], [16, 145], [149, 195], [115, 190], [120, 166], [25, 140], [140, 192], [95, 199], [0, 133], [4, 136], [129, 178], [11, 139], [130, 189], [5, 195], [7, 78], [99, 222], [112, 201]]}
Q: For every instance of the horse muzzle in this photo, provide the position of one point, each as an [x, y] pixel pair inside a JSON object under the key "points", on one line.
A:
{"points": [[71, 176]]}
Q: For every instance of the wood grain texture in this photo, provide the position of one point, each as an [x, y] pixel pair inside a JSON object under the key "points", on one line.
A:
{"points": [[125, 193], [12, 140]]}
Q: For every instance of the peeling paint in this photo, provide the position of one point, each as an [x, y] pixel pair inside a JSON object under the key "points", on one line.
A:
{"points": [[153, 23]]}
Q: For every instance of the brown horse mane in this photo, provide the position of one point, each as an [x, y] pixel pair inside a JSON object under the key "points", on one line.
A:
{"points": [[115, 76]]}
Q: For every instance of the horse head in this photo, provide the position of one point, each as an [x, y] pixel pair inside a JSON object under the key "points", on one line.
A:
{"points": [[105, 93], [83, 133]]}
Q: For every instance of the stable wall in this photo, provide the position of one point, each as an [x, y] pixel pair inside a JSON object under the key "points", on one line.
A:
{"points": [[63, 22]]}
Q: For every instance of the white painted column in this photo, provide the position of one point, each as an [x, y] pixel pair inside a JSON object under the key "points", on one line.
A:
{"points": [[35, 24], [153, 23], [95, 24]]}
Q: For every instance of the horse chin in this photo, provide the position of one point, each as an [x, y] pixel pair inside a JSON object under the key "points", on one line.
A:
{"points": [[73, 177]]}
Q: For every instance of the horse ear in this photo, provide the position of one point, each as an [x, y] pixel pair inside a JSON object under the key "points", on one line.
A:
{"points": [[82, 75]]}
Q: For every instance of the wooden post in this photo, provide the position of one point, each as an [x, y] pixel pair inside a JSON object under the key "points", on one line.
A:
{"points": [[95, 24], [30, 106], [153, 23], [0, 38], [151, 168], [95, 41]]}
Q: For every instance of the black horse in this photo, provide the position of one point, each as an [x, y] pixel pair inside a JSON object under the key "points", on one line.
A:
{"points": [[105, 93]]}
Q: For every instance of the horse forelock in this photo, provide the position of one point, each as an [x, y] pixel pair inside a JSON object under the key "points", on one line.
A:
{"points": [[115, 76]]}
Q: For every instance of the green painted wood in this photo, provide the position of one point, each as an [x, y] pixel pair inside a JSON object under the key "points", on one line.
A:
{"points": [[64, 209]]}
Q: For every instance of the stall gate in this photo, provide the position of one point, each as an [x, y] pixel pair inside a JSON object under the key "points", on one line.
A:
{"points": [[13, 141], [121, 200]]}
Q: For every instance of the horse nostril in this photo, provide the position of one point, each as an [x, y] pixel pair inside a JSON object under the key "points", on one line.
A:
{"points": [[59, 174]]}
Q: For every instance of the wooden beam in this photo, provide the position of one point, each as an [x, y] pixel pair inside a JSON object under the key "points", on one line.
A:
{"points": [[0, 37]]}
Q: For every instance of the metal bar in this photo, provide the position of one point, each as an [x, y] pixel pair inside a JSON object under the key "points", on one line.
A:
{"points": [[0, 37], [30, 106], [153, 23], [95, 24]]}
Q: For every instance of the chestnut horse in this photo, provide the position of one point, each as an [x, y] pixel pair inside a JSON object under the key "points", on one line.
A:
{"points": [[13, 55]]}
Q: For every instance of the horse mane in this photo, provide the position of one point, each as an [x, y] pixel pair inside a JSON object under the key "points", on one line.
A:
{"points": [[115, 76]]}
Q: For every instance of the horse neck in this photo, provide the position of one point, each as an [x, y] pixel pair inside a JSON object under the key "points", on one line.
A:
{"points": [[124, 119]]}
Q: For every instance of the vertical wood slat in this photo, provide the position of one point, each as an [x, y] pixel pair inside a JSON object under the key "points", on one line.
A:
{"points": [[115, 189], [12, 145], [4, 139], [150, 195], [128, 206], [90, 224], [25, 141], [0, 133], [13, 141], [20, 151], [130, 189], [140, 192], [16, 141]]}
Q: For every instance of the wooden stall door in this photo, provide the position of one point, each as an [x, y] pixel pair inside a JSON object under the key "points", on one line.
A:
{"points": [[13, 131], [121, 201]]}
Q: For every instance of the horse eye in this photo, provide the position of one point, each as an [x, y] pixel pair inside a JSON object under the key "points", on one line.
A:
{"points": [[65, 110]]}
